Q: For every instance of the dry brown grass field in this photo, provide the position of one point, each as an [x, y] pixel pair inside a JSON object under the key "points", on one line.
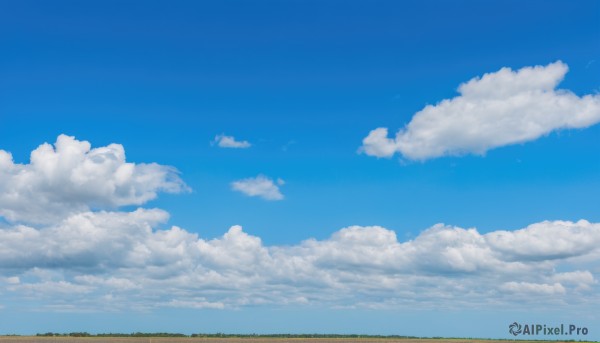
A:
{"points": [[35, 339]]}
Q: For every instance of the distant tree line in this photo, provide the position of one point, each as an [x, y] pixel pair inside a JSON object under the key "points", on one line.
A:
{"points": [[228, 335], [134, 334], [295, 335], [210, 335]]}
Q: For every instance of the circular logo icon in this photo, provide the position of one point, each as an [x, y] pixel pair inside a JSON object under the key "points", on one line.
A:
{"points": [[514, 328]]}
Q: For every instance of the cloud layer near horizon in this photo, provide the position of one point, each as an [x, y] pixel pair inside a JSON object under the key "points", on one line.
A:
{"points": [[111, 260], [500, 108], [120, 260]]}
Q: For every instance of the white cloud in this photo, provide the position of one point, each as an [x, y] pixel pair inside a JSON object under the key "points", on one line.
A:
{"points": [[223, 141], [260, 186], [82, 240], [378, 144], [547, 240], [71, 177], [501, 108], [121, 259], [89, 260], [197, 304], [533, 288], [582, 279]]}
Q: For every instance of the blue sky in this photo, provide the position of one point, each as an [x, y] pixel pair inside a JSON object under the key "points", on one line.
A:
{"points": [[304, 83]]}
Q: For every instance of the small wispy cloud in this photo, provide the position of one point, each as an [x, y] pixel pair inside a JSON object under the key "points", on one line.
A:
{"points": [[260, 186], [224, 141], [287, 145]]}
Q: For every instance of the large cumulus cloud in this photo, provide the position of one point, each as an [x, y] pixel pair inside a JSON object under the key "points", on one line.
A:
{"points": [[71, 177], [497, 109]]}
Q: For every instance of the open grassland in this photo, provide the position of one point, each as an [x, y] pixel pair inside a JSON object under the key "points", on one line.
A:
{"points": [[35, 339]]}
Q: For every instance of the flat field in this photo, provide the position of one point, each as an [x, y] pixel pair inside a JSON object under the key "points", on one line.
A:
{"points": [[35, 339]]}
